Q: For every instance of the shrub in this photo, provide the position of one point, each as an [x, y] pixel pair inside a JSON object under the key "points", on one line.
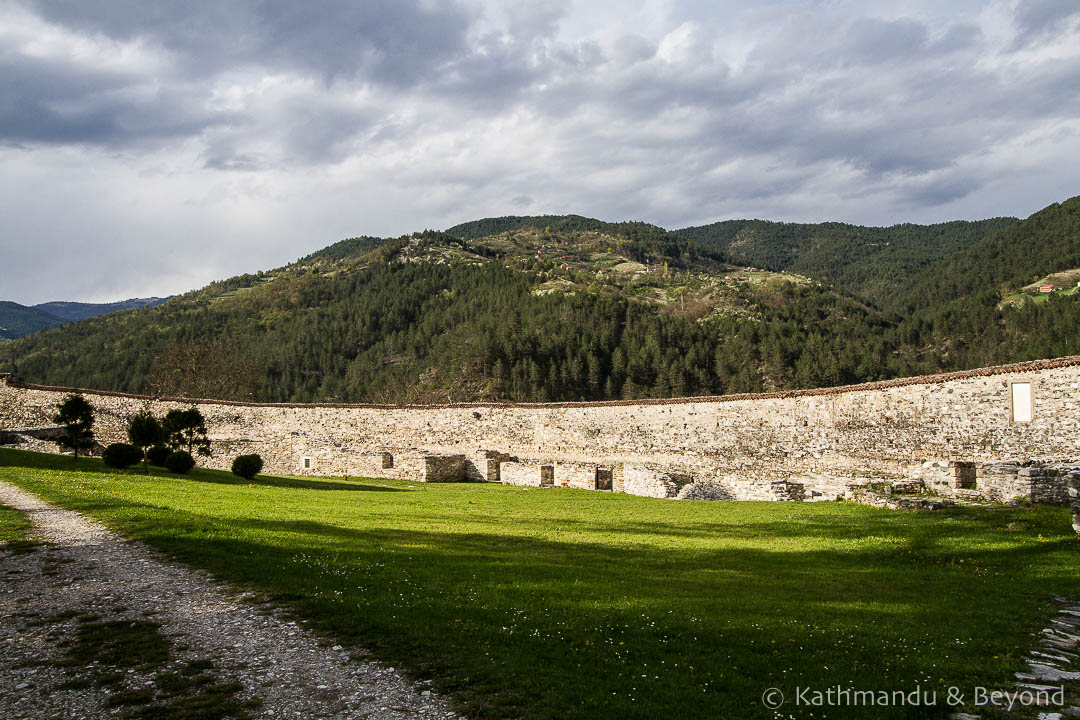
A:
{"points": [[179, 462], [121, 455], [157, 454], [247, 466]]}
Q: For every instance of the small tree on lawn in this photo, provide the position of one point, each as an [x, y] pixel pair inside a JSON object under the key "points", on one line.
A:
{"points": [[144, 431], [77, 417], [187, 429]]}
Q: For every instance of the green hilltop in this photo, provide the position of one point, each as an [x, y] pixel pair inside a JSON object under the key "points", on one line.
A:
{"points": [[555, 308]]}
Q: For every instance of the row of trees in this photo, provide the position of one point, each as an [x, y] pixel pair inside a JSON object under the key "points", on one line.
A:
{"points": [[169, 442], [179, 430]]}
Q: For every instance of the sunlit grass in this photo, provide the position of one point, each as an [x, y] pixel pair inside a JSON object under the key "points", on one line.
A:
{"points": [[560, 603], [13, 525]]}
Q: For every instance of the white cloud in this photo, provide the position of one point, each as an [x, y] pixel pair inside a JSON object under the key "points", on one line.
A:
{"points": [[148, 149]]}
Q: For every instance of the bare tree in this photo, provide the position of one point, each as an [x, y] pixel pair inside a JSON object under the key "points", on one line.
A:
{"points": [[212, 368]]}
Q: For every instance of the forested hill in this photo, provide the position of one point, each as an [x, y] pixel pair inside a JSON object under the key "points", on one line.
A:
{"points": [[71, 311], [874, 263], [17, 320], [1002, 263], [569, 308]]}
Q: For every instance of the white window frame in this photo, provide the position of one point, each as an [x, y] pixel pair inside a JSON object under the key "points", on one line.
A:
{"points": [[1016, 410]]}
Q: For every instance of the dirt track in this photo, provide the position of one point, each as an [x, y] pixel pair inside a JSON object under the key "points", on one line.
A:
{"points": [[83, 572]]}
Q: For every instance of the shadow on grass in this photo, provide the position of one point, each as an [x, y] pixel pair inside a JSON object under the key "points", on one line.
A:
{"points": [[861, 522], [222, 478], [586, 608], [48, 461], [506, 621], [10, 457]]}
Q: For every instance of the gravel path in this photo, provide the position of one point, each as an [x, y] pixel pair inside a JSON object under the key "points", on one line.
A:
{"points": [[83, 568]]}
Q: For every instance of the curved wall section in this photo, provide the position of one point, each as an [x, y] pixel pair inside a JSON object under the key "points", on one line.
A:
{"points": [[814, 437]]}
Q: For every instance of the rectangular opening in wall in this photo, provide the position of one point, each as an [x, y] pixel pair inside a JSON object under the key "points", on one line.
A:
{"points": [[305, 462], [1021, 401], [964, 476], [387, 461], [547, 475], [603, 478]]}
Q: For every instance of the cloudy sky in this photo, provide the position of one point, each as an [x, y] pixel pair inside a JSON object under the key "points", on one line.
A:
{"points": [[147, 148]]}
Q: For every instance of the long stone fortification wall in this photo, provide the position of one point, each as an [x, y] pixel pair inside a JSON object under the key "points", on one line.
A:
{"points": [[820, 439]]}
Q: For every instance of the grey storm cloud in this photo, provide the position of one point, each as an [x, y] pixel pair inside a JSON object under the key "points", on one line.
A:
{"points": [[248, 124], [1038, 18], [54, 102], [394, 41], [391, 42], [796, 97]]}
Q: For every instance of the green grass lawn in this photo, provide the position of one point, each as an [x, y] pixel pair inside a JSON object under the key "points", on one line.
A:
{"points": [[573, 604], [13, 525]]}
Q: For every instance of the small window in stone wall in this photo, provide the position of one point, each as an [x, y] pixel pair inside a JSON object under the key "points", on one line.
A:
{"points": [[305, 462], [1021, 402]]}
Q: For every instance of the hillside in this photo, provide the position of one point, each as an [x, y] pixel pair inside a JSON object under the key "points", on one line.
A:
{"points": [[71, 311], [957, 306], [1047, 242], [528, 314], [17, 320], [570, 308], [874, 263]]}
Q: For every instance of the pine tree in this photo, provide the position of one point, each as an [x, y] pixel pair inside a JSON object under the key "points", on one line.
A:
{"points": [[77, 417]]}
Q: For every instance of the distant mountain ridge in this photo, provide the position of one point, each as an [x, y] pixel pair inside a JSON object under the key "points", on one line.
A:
{"points": [[485, 227], [18, 320], [72, 311]]}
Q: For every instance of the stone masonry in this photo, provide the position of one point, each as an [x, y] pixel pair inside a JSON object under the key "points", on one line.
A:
{"points": [[1074, 496], [1037, 482], [444, 468], [647, 482], [816, 443], [524, 474]]}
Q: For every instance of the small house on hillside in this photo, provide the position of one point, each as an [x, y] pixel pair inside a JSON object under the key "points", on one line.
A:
{"points": [[1046, 288]]}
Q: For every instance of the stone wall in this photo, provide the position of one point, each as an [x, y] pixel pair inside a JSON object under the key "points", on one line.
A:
{"points": [[737, 488], [1074, 496], [520, 474], [575, 475], [824, 439], [945, 476], [486, 468], [1037, 482], [646, 482], [888, 501], [444, 468]]}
